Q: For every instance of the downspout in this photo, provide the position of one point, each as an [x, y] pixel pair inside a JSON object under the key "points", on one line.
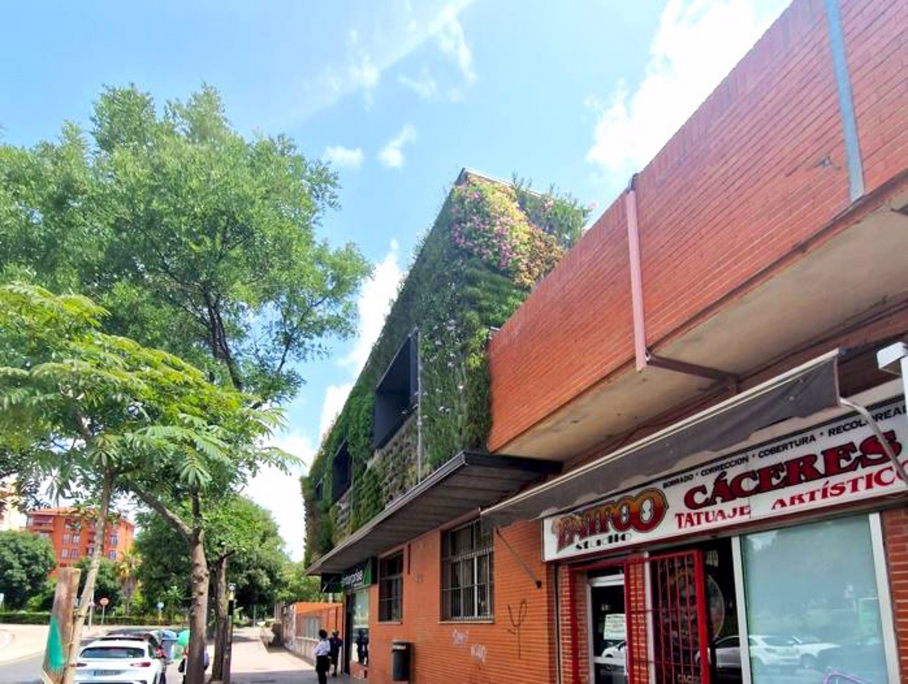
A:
{"points": [[418, 407], [633, 248]]}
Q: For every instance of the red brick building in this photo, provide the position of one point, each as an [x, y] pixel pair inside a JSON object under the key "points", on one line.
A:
{"points": [[702, 369], [73, 534]]}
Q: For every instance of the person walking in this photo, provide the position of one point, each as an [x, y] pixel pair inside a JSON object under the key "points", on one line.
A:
{"points": [[322, 655], [336, 643]]}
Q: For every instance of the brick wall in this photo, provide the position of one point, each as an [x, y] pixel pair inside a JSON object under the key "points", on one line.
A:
{"points": [[756, 170], [895, 537], [472, 652]]}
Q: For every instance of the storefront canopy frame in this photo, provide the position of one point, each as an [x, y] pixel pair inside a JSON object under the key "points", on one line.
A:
{"points": [[798, 393], [468, 482]]}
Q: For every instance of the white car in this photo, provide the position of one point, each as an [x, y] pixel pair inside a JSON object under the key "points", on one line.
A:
{"points": [[809, 649], [772, 651], [126, 660]]}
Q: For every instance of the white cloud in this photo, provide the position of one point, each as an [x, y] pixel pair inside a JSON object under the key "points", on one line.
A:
{"points": [[384, 34], [335, 396], [280, 492], [696, 45], [392, 154], [424, 86], [344, 156], [373, 305], [453, 44]]}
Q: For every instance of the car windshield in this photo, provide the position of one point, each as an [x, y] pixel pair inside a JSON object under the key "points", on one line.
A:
{"points": [[775, 641], [113, 653]]}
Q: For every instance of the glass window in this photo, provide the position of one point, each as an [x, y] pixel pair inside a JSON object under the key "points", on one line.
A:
{"points": [[812, 603], [361, 624], [112, 555], [64, 553], [390, 588], [113, 540], [467, 573], [76, 538], [67, 537]]}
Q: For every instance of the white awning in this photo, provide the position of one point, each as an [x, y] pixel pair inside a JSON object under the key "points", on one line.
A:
{"points": [[798, 393]]}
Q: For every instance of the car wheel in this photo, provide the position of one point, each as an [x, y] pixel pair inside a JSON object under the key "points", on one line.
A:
{"points": [[808, 662]]}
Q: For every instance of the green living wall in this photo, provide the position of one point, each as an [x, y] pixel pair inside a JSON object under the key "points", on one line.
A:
{"points": [[491, 243]]}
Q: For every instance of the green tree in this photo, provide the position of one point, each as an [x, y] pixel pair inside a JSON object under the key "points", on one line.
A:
{"points": [[106, 583], [238, 532], [127, 570], [298, 586], [98, 413], [200, 241], [25, 562]]}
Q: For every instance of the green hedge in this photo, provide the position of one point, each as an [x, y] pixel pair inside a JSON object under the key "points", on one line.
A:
{"points": [[23, 617]]}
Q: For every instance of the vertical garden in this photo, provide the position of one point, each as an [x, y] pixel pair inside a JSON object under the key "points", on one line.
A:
{"points": [[491, 244]]}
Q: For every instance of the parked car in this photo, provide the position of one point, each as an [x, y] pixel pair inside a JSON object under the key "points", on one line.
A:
{"points": [[810, 649], [125, 660], [769, 650]]}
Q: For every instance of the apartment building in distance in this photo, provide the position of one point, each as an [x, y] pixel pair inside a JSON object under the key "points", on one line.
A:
{"points": [[72, 533]]}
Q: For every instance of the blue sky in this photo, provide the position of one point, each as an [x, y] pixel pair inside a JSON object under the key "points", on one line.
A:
{"points": [[399, 95]]}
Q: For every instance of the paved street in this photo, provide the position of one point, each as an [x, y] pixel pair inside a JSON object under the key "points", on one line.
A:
{"points": [[253, 663]]}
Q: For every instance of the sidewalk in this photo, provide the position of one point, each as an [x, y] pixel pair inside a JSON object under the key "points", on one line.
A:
{"points": [[255, 664]]}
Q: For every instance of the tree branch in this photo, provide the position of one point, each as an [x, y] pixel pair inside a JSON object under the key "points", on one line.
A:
{"points": [[155, 504]]}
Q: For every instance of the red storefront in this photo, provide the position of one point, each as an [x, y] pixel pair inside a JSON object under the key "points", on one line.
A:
{"points": [[748, 544]]}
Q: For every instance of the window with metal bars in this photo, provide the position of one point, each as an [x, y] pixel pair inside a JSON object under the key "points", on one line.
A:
{"points": [[467, 573], [390, 588]]}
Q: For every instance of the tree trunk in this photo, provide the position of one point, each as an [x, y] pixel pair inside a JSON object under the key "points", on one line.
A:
{"points": [[220, 615], [198, 610], [87, 597]]}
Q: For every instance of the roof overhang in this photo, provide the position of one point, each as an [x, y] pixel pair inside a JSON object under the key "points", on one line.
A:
{"points": [[801, 392], [846, 275], [465, 484]]}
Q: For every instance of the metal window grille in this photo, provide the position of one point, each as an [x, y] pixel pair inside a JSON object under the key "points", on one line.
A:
{"points": [[468, 573], [390, 588], [666, 619]]}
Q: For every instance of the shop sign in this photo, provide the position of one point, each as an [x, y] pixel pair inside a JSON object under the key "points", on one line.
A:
{"points": [[833, 463], [357, 577]]}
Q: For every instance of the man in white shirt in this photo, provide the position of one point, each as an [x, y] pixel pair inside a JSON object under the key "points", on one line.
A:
{"points": [[322, 655]]}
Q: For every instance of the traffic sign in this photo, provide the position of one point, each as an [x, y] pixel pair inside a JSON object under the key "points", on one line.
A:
{"points": [[104, 601]]}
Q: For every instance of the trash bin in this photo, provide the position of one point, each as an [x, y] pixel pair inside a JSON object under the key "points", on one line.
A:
{"points": [[400, 661]]}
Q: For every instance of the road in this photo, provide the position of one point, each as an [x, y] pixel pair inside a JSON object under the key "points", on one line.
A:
{"points": [[27, 670]]}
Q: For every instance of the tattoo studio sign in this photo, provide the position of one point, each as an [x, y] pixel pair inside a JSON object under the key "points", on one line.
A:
{"points": [[833, 463]]}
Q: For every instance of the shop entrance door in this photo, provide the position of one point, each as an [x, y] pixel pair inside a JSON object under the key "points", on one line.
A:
{"points": [[608, 638], [347, 654], [667, 638]]}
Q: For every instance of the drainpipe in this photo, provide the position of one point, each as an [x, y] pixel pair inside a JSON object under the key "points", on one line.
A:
{"points": [[633, 247], [418, 340]]}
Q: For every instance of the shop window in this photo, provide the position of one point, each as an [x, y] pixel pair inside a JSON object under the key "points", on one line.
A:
{"points": [[390, 588], [467, 573], [821, 613], [360, 622], [397, 393], [341, 472]]}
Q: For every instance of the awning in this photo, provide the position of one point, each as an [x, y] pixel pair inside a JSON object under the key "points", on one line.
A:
{"points": [[468, 482], [798, 393]]}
